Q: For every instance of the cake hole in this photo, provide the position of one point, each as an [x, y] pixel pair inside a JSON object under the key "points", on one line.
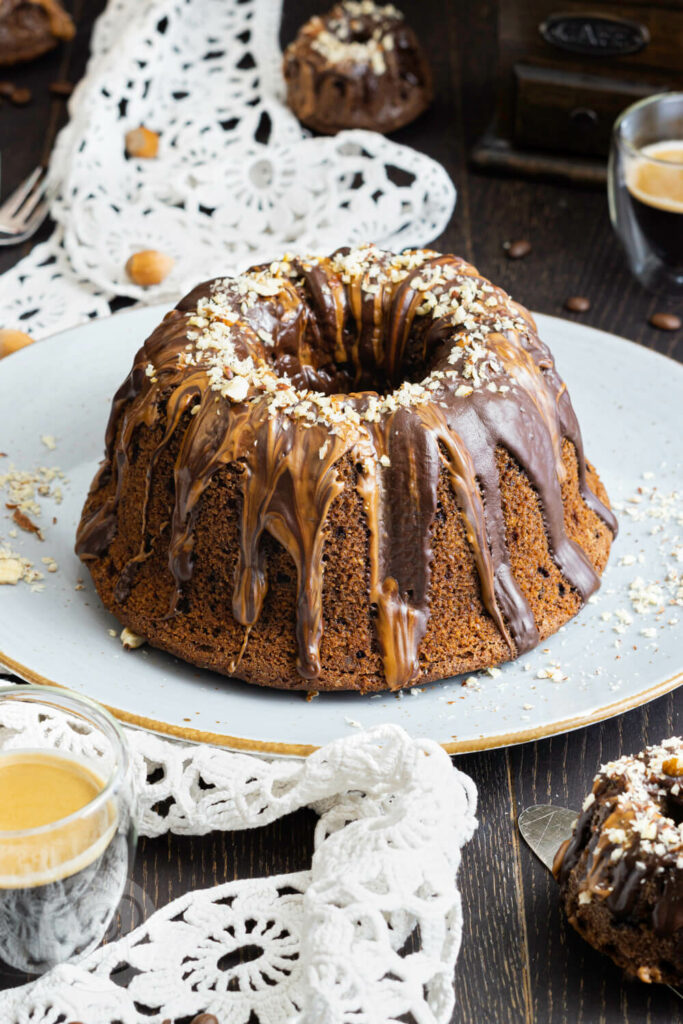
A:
{"points": [[359, 33], [313, 367]]}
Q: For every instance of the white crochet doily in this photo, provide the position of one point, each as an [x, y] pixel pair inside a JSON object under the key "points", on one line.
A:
{"points": [[316, 947], [237, 180]]}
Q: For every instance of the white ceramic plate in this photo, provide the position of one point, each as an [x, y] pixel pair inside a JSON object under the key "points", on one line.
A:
{"points": [[629, 403]]}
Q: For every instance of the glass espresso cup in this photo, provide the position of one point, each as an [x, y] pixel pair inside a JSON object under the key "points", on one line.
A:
{"points": [[67, 833], [645, 185]]}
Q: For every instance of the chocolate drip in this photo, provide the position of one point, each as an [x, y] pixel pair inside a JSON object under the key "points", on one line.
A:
{"points": [[478, 495], [324, 333], [400, 503]]}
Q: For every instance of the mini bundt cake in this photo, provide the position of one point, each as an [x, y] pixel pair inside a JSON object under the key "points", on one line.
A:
{"points": [[30, 28], [621, 873], [358, 66], [350, 472]]}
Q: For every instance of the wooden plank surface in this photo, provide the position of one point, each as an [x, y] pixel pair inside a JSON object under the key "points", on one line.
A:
{"points": [[520, 961]]}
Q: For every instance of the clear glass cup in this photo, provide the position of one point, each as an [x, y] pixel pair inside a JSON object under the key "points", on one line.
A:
{"points": [[645, 183], [60, 883]]}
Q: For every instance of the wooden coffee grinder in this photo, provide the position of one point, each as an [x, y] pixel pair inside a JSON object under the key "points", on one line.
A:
{"points": [[567, 71]]}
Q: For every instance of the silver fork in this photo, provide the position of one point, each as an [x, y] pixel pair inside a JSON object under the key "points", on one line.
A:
{"points": [[24, 211]]}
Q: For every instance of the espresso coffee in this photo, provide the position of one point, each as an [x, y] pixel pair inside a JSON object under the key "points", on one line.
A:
{"points": [[63, 859], [654, 183], [38, 788]]}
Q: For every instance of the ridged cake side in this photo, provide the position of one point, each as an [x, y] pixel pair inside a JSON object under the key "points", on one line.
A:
{"points": [[264, 513]]}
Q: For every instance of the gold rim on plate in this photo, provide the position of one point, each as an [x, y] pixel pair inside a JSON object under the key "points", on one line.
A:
{"points": [[304, 749]]}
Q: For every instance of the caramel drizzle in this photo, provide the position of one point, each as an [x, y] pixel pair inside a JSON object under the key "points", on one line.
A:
{"points": [[329, 336]]}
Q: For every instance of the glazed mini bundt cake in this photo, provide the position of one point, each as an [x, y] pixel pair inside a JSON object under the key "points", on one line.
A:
{"points": [[358, 66], [621, 873], [30, 28], [359, 471]]}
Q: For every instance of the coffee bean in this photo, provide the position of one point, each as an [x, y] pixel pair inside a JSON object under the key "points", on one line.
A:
{"points": [[577, 304], [61, 88], [205, 1018], [665, 321], [20, 97], [6, 88], [518, 249]]}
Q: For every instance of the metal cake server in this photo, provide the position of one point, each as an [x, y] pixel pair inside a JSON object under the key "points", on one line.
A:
{"points": [[544, 828]]}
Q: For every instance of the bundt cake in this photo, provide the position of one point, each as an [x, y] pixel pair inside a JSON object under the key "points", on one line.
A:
{"points": [[359, 471], [621, 873], [358, 66]]}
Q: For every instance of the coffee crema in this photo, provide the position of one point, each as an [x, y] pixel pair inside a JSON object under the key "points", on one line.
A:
{"points": [[654, 180], [39, 788]]}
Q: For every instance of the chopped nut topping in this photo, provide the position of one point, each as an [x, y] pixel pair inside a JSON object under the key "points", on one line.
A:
{"points": [[131, 640]]}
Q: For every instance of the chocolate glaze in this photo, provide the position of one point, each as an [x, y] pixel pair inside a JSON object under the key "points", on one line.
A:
{"points": [[331, 95], [618, 804], [341, 335]]}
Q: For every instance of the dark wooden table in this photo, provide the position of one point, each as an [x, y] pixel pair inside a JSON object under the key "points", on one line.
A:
{"points": [[520, 961]]}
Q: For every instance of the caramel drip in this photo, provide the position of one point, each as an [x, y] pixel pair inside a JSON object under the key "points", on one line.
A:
{"points": [[331, 335], [287, 491]]}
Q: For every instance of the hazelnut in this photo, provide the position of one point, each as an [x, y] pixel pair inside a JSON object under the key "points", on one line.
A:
{"points": [[149, 267], [142, 142], [11, 341]]}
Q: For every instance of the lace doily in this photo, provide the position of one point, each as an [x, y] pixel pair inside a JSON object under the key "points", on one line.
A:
{"points": [[237, 179], [315, 947]]}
